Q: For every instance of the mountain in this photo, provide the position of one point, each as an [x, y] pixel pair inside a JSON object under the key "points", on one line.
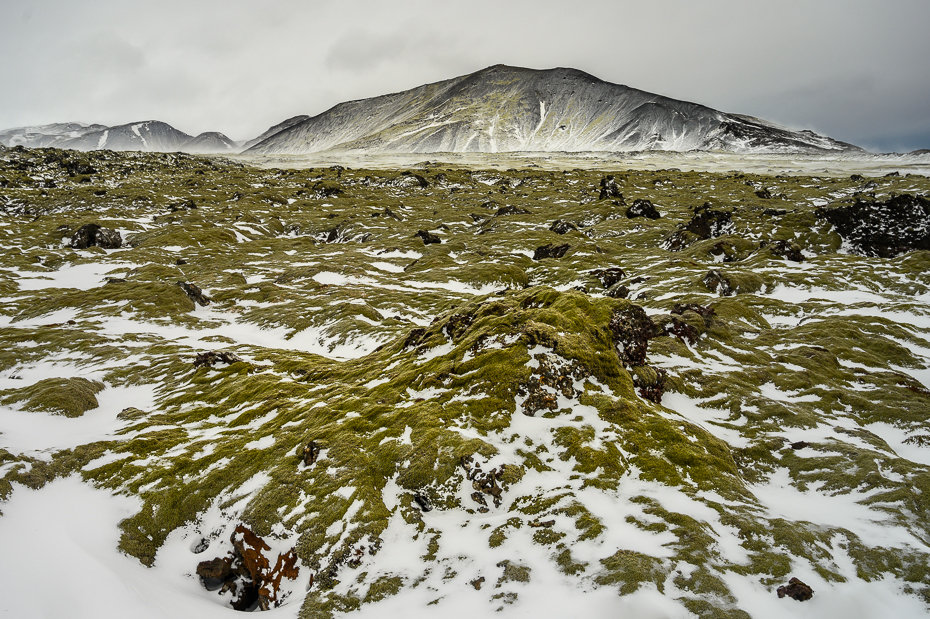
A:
{"points": [[504, 108], [149, 135], [290, 122], [42, 136], [211, 142]]}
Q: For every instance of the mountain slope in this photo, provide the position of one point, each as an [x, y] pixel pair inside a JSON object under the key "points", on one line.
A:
{"points": [[290, 122], [41, 136], [211, 142], [503, 108], [150, 135]]}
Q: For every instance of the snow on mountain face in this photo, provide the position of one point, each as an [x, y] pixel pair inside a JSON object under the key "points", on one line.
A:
{"points": [[211, 142], [501, 109], [151, 135], [42, 136]]}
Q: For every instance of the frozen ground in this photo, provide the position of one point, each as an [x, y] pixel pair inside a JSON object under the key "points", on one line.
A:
{"points": [[788, 440]]}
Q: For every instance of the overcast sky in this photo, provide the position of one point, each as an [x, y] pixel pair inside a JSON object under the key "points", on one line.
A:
{"points": [[856, 70]]}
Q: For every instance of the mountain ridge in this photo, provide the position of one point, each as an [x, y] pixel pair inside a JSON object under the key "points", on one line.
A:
{"points": [[507, 109]]}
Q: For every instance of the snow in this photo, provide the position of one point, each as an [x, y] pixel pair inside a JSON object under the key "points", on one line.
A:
{"points": [[71, 526]]}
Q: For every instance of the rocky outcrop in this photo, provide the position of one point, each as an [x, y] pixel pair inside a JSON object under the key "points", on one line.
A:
{"points": [[248, 573], [795, 589], [642, 208], [550, 251], [706, 223], [93, 235], [883, 229], [195, 294]]}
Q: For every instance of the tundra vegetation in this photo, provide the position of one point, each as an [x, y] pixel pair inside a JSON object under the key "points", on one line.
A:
{"points": [[644, 380]]}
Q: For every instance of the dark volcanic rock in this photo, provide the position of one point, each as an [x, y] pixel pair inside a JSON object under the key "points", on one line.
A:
{"points": [[195, 293], [309, 452], [609, 276], [609, 189], [428, 237], [211, 358], [93, 235], [707, 223], [795, 589], [215, 572], [618, 291], [550, 251], [632, 329], [510, 210], [562, 227], [883, 229], [642, 208], [718, 282], [785, 249]]}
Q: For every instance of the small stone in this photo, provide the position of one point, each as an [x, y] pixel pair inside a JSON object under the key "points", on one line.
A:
{"points": [[423, 501], [309, 453], [476, 583], [428, 237], [195, 293], [795, 589]]}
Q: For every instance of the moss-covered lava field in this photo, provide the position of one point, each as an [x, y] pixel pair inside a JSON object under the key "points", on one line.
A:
{"points": [[469, 387]]}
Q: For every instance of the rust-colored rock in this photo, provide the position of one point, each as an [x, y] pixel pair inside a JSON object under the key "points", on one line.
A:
{"points": [[248, 573]]}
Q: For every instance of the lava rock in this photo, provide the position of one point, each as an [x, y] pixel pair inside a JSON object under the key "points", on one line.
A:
{"points": [[632, 329], [800, 445], [428, 237], [510, 210], [883, 229], [795, 589], [718, 282], [609, 276], [642, 208], [705, 224], [618, 291], [423, 501], [195, 293], [309, 452], [562, 227], [609, 189], [211, 358], [215, 572], [93, 235], [765, 194], [785, 249], [550, 251]]}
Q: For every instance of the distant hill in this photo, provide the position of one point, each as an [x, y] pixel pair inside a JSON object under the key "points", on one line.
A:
{"points": [[149, 135], [504, 108]]}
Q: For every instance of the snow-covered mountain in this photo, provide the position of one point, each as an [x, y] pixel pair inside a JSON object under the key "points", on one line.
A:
{"points": [[150, 135], [41, 136], [209, 143], [504, 108]]}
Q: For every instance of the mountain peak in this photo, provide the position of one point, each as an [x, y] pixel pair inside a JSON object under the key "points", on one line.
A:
{"points": [[502, 108]]}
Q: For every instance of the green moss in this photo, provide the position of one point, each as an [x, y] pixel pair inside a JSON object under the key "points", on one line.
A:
{"points": [[71, 397]]}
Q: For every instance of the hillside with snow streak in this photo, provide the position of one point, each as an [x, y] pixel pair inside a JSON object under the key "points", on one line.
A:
{"points": [[506, 109]]}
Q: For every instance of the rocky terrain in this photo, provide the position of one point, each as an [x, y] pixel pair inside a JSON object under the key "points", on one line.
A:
{"points": [[505, 109], [460, 390]]}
